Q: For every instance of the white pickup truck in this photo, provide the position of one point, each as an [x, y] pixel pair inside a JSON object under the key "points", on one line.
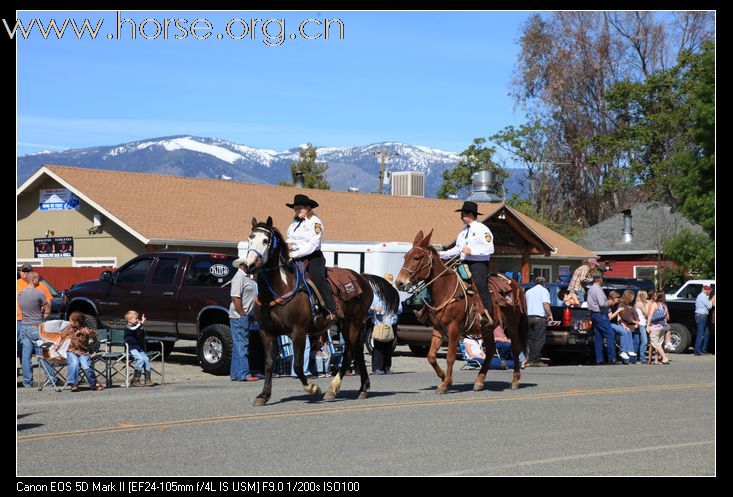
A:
{"points": [[689, 291]]}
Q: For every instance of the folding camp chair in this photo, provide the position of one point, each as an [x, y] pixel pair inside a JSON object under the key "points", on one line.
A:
{"points": [[284, 358], [118, 362], [52, 359], [471, 362]]}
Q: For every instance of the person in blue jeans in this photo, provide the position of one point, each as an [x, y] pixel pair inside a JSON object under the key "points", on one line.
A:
{"points": [[241, 320], [641, 339], [599, 307], [34, 308], [703, 304], [83, 340], [135, 340], [627, 343]]}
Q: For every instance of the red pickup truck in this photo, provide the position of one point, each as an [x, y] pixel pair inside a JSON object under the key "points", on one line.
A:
{"points": [[183, 294]]}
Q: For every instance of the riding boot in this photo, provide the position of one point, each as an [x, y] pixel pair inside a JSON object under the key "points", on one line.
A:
{"points": [[136, 378], [423, 315], [148, 379]]}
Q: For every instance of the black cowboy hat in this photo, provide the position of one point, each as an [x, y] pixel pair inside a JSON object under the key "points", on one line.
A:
{"points": [[303, 200], [470, 207]]}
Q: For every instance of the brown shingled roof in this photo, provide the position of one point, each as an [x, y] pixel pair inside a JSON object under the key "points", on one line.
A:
{"points": [[171, 208]]}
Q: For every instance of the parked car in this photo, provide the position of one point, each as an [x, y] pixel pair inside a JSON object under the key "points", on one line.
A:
{"points": [[184, 294]]}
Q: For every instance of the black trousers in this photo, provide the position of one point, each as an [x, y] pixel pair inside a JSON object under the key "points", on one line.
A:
{"points": [[317, 272], [480, 276], [382, 356], [537, 327]]}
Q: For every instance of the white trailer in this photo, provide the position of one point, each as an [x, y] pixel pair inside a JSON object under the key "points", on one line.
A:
{"points": [[377, 258]]}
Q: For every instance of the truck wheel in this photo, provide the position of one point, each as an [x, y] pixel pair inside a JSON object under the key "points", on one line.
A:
{"points": [[419, 350], [215, 349], [680, 338]]}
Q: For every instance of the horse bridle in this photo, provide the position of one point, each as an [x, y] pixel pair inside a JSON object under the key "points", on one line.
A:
{"points": [[429, 265], [272, 237]]}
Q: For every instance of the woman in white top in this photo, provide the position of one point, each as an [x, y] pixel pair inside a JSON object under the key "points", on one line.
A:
{"points": [[640, 336], [304, 243]]}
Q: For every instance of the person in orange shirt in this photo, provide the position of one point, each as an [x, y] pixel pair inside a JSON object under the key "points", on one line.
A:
{"points": [[20, 284]]}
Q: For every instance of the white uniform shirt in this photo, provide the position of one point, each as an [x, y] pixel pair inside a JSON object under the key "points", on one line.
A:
{"points": [[305, 235], [477, 236]]}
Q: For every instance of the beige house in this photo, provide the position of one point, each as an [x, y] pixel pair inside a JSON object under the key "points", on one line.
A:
{"points": [[119, 215]]}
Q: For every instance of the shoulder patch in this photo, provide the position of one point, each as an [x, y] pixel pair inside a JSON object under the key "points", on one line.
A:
{"points": [[488, 237], [318, 227]]}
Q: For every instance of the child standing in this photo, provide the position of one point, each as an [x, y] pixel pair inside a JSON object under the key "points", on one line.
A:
{"points": [[135, 338]]}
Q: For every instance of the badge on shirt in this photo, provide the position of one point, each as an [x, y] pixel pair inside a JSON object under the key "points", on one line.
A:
{"points": [[488, 237], [318, 227]]}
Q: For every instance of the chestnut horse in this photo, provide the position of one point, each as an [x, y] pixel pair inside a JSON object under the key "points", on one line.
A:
{"points": [[456, 312], [284, 308]]}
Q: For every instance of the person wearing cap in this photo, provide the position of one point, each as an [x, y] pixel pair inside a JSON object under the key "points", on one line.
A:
{"points": [[241, 320], [20, 285], [304, 242], [539, 312], [703, 304], [474, 245], [583, 276], [599, 307]]}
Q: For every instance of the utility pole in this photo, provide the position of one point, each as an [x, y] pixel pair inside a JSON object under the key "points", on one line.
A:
{"points": [[382, 154]]}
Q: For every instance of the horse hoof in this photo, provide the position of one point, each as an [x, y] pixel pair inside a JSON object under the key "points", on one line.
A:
{"points": [[441, 390], [329, 396], [314, 389], [362, 395], [477, 387], [259, 402], [515, 386]]}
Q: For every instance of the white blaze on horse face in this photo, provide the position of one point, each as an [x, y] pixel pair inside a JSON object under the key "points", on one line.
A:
{"points": [[258, 245]]}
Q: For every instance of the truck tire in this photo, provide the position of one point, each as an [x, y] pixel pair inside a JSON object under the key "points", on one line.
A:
{"points": [[215, 349], [419, 350], [681, 338]]}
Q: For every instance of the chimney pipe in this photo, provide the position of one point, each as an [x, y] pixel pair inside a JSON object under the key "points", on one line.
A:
{"points": [[299, 181], [626, 233]]}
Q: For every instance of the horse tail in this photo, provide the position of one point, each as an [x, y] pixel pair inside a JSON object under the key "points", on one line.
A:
{"points": [[384, 290], [523, 331]]}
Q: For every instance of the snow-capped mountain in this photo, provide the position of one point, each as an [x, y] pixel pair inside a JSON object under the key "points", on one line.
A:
{"points": [[211, 157]]}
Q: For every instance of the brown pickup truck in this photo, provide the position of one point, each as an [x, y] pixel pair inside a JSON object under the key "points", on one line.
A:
{"points": [[184, 295]]}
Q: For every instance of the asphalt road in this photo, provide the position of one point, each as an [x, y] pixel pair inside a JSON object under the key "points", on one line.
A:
{"points": [[564, 420]]}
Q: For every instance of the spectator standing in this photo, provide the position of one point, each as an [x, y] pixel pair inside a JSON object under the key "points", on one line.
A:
{"points": [[539, 312], [35, 309], [241, 319], [703, 305]]}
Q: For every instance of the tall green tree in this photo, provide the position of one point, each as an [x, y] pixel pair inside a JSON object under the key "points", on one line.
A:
{"points": [[477, 157], [314, 173], [693, 251]]}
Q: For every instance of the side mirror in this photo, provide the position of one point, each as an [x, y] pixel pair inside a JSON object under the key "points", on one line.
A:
{"points": [[107, 276]]}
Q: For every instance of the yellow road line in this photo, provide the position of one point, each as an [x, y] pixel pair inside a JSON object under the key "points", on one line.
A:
{"points": [[438, 401]]}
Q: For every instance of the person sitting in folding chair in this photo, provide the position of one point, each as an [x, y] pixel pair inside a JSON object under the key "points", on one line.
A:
{"points": [[473, 352], [504, 358], [135, 339], [83, 339]]}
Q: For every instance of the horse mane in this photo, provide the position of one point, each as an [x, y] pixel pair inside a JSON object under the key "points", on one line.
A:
{"points": [[385, 292]]}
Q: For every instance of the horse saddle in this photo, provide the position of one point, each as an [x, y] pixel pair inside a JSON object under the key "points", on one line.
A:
{"points": [[344, 287], [505, 290]]}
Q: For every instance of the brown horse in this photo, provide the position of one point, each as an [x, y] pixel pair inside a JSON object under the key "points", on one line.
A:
{"points": [[456, 311], [284, 308]]}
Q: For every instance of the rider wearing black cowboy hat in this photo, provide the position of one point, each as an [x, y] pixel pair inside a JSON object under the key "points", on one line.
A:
{"points": [[304, 242], [475, 244]]}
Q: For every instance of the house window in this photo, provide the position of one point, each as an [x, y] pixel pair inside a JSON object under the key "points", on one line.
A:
{"points": [[544, 271], [646, 273], [94, 262]]}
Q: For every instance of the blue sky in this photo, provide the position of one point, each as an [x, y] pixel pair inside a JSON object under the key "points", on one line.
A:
{"points": [[437, 79]]}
